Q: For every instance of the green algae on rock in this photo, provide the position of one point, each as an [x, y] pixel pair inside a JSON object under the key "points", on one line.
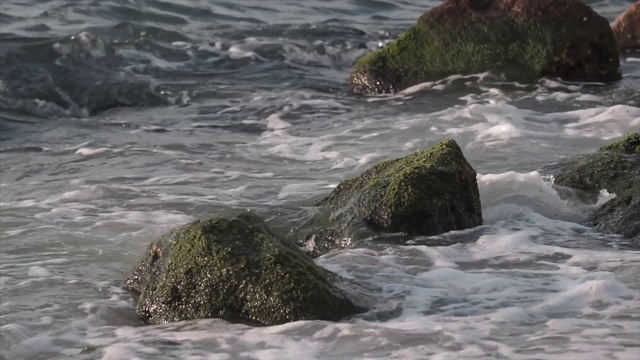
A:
{"points": [[616, 168], [613, 167], [620, 215], [426, 193], [522, 39], [629, 145], [232, 267]]}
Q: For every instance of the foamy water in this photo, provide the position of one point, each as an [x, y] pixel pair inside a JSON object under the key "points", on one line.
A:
{"points": [[258, 116]]}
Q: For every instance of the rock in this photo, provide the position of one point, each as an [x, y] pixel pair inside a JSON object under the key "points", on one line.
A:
{"points": [[613, 167], [620, 215], [616, 168], [626, 29], [232, 267], [426, 193], [522, 39]]}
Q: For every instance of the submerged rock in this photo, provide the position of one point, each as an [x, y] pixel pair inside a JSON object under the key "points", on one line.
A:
{"points": [[522, 39], [426, 193], [78, 76], [232, 267], [626, 29], [616, 168]]}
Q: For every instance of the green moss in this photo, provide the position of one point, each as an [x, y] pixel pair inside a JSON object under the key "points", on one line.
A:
{"points": [[426, 193], [233, 267], [522, 52], [629, 145], [621, 215], [614, 167]]}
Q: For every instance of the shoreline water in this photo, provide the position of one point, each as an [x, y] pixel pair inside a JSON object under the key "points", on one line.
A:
{"points": [[266, 120]]}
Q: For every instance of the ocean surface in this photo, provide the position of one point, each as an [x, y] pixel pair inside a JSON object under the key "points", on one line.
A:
{"points": [[122, 119]]}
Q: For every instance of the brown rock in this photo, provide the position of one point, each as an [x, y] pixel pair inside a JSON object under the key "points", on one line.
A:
{"points": [[524, 40], [626, 29]]}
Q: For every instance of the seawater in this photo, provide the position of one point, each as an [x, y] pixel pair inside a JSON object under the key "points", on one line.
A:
{"points": [[165, 112]]}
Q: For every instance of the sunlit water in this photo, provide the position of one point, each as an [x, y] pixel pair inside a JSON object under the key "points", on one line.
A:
{"points": [[245, 106]]}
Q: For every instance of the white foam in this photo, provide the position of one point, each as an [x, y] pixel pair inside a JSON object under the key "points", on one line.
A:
{"points": [[591, 98], [368, 136], [439, 260], [143, 57], [179, 179], [238, 52], [512, 195], [588, 291], [191, 162], [493, 124], [35, 263], [46, 320], [346, 162], [92, 192], [603, 197], [332, 56], [149, 217], [93, 151], [237, 191], [323, 104], [39, 272], [129, 351], [440, 84], [15, 232], [558, 96], [602, 123], [299, 148], [275, 122], [233, 174], [301, 190], [369, 158], [60, 214], [181, 44]]}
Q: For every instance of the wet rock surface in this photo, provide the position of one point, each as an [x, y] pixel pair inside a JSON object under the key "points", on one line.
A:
{"points": [[626, 29], [523, 40], [426, 193], [233, 267], [616, 168]]}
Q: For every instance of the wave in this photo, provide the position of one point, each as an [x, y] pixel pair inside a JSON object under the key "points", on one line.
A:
{"points": [[130, 65]]}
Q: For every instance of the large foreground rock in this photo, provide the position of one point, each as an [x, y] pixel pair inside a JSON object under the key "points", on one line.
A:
{"points": [[626, 29], [426, 193], [616, 168], [232, 267], [522, 39]]}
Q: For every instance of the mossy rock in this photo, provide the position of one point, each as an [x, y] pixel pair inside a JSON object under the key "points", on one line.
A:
{"points": [[233, 267], [620, 215], [630, 145], [613, 167], [426, 193], [616, 168], [524, 40]]}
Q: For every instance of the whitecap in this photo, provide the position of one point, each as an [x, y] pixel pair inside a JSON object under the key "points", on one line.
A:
{"points": [[93, 151]]}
